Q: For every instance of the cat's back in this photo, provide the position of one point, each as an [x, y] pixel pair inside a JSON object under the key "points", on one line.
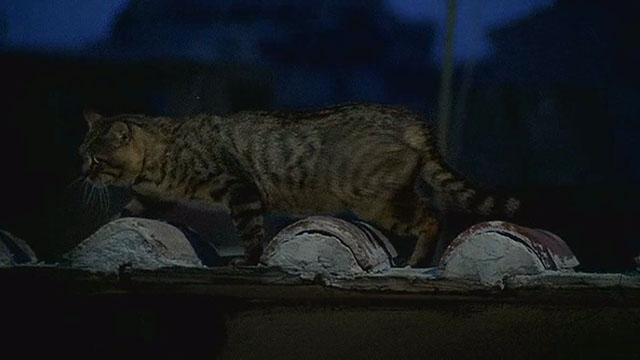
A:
{"points": [[375, 116], [299, 158]]}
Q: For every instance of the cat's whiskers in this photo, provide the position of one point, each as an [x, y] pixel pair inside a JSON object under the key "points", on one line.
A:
{"points": [[85, 192], [99, 198], [75, 182], [107, 198], [89, 195], [95, 197], [101, 194], [92, 196]]}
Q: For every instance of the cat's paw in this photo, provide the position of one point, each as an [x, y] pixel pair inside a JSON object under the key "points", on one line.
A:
{"points": [[237, 262], [251, 257], [240, 262]]}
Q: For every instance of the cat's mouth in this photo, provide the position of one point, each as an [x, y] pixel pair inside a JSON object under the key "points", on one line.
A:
{"points": [[99, 171], [103, 177]]}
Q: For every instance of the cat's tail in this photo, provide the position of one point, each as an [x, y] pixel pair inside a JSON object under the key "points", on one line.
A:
{"points": [[453, 191]]}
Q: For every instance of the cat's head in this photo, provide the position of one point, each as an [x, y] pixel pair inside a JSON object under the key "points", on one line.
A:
{"points": [[112, 151]]}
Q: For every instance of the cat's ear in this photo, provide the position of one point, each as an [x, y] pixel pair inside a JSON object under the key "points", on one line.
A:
{"points": [[121, 131], [91, 116]]}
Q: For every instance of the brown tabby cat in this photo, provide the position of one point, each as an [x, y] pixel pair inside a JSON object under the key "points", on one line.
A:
{"points": [[376, 161]]}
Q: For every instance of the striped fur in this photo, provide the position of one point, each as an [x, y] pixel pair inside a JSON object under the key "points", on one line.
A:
{"points": [[363, 158]]}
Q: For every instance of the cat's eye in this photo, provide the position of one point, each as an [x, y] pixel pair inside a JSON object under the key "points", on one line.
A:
{"points": [[95, 160]]}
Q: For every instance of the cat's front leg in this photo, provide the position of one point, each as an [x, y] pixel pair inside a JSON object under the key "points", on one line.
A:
{"points": [[134, 208], [146, 207], [247, 212]]}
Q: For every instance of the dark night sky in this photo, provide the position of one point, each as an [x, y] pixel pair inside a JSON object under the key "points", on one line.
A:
{"points": [[69, 25]]}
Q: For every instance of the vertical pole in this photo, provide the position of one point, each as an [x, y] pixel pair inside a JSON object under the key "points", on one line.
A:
{"points": [[444, 101], [444, 110]]}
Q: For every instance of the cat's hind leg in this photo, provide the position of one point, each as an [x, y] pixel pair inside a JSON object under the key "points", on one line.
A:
{"points": [[405, 214], [427, 233]]}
